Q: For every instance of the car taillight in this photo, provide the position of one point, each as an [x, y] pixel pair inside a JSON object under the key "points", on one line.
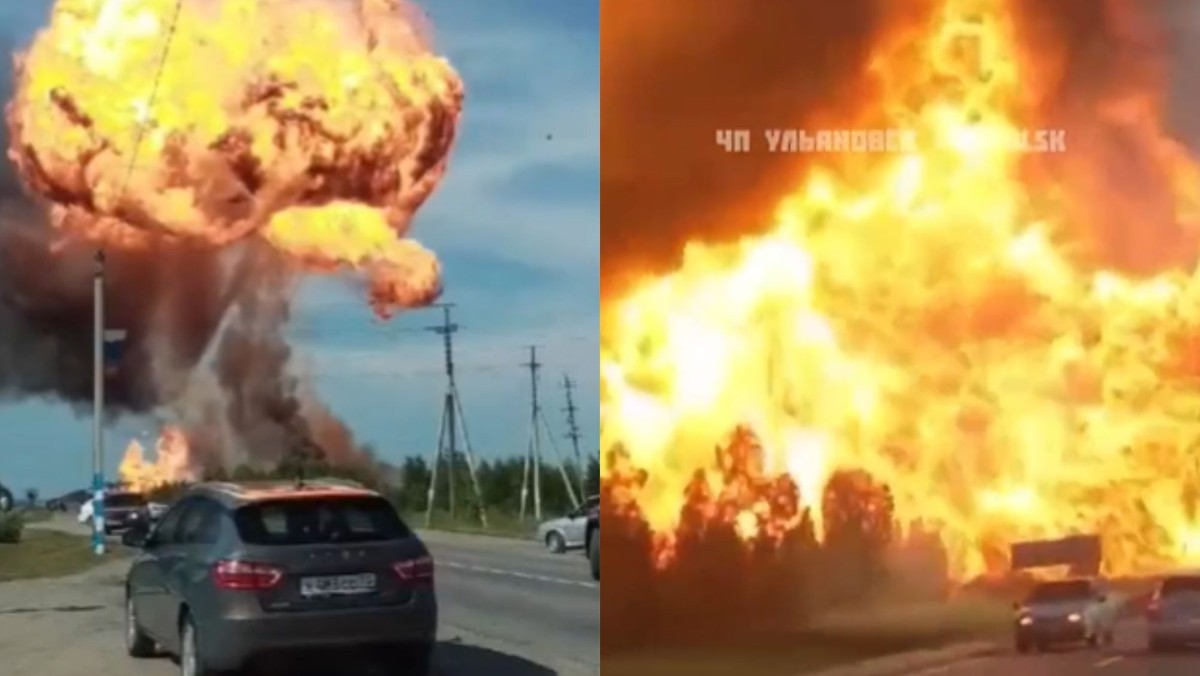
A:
{"points": [[246, 575], [415, 570]]}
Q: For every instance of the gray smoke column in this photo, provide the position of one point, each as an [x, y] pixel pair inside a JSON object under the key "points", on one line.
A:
{"points": [[211, 202]]}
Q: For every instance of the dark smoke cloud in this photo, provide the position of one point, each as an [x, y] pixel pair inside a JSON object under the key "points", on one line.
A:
{"points": [[672, 76], [1104, 69]]}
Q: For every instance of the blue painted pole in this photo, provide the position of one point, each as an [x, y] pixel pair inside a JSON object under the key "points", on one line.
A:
{"points": [[98, 409]]}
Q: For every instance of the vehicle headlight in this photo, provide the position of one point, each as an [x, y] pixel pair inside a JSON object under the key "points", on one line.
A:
{"points": [[1074, 617], [1025, 621]]}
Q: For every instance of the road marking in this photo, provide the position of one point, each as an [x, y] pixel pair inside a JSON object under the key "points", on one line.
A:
{"points": [[936, 670], [518, 574], [1109, 661]]}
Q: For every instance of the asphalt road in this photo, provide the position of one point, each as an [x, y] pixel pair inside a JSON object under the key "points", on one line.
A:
{"points": [[1127, 657], [508, 608]]}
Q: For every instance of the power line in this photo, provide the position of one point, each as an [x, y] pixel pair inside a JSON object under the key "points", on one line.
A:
{"points": [[454, 420], [142, 124], [573, 433], [533, 459]]}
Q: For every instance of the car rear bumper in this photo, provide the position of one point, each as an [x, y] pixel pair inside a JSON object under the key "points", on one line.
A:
{"points": [[229, 642], [1052, 633]]}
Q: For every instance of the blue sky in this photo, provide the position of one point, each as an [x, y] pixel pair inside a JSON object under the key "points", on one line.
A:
{"points": [[515, 224]]}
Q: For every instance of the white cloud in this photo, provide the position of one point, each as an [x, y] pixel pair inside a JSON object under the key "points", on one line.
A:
{"points": [[557, 82]]}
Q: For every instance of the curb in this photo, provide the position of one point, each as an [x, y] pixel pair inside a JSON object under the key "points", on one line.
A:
{"points": [[904, 663]]}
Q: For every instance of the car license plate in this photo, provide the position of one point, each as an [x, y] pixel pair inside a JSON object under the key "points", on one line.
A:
{"points": [[337, 585]]}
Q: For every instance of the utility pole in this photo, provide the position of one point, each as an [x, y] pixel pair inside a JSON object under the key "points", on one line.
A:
{"points": [[98, 405], [533, 457], [573, 433], [453, 420]]}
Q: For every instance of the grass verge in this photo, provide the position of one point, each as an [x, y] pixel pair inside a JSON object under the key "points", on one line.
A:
{"points": [[35, 515], [48, 553], [834, 640]]}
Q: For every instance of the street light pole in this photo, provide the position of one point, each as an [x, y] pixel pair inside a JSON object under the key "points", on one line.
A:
{"points": [[98, 407]]}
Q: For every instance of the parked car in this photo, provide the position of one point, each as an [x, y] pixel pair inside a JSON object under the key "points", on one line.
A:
{"points": [[593, 543], [236, 571], [569, 531], [1065, 611], [1173, 616], [122, 509], [69, 502]]}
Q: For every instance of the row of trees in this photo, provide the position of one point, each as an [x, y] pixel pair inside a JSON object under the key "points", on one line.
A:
{"points": [[764, 586], [407, 484]]}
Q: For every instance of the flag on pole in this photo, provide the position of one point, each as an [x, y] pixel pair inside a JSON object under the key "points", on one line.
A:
{"points": [[114, 348]]}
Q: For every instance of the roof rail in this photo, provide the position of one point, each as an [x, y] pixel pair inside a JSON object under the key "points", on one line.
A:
{"points": [[334, 482]]}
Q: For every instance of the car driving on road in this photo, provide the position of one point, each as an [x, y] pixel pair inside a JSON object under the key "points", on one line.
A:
{"points": [[1173, 616], [1064, 611], [233, 572], [568, 531]]}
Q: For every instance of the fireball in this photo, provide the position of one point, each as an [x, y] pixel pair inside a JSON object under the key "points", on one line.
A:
{"points": [[321, 126], [171, 462], [942, 320]]}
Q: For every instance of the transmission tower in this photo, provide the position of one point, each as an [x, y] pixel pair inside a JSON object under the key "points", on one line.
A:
{"points": [[533, 457], [573, 433], [453, 420]]}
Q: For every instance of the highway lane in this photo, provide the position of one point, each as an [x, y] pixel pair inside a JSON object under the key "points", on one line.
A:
{"points": [[508, 609], [516, 592], [1127, 657]]}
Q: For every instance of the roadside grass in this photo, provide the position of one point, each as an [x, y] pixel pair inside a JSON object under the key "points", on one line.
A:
{"points": [[499, 524], [35, 514], [833, 640], [48, 553]]}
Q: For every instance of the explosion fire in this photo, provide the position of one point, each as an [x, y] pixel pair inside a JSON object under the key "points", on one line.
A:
{"points": [[326, 152], [171, 462], [213, 149], [954, 322]]}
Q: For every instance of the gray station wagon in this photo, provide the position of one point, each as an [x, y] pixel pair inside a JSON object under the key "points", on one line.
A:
{"points": [[235, 572]]}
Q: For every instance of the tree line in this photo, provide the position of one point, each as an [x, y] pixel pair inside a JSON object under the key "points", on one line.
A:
{"points": [[407, 484]]}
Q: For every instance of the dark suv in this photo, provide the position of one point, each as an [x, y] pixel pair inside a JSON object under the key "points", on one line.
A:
{"points": [[233, 572], [124, 510]]}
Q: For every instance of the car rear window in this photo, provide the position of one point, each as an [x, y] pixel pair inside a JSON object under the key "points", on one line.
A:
{"points": [[1181, 584], [304, 521], [125, 500], [1068, 590]]}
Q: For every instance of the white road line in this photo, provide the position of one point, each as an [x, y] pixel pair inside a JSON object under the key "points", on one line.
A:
{"points": [[935, 670], [513, 573], [1108, 661]]}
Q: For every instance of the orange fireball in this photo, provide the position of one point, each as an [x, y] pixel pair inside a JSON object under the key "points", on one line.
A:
{"points": [[172, 462], [323, 126], [938, 320]]}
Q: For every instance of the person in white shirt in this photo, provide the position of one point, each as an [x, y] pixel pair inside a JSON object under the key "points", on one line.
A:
{"points": [[86, 512]]}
